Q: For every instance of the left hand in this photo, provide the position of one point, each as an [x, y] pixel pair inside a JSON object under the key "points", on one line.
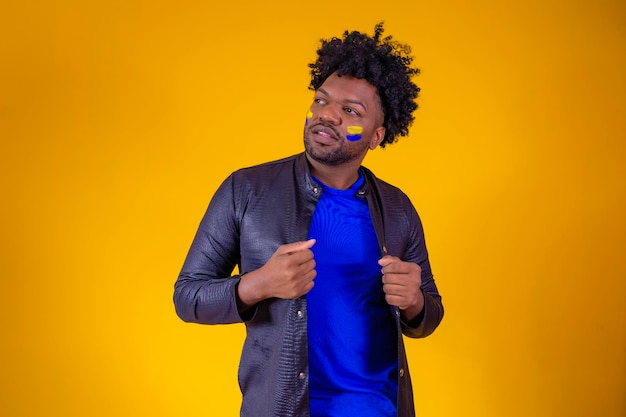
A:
{"points": [[401, 284]]}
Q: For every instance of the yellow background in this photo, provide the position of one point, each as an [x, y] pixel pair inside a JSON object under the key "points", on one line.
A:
{"points": [[119, 119]]}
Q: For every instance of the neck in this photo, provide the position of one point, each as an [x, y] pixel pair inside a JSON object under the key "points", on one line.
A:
{"points": [[340, 177]]}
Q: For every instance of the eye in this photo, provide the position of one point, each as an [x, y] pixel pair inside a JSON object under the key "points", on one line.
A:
{"points": [[318, 100], [351, 111]]}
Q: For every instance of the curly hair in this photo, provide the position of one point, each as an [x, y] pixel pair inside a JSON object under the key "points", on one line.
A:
{"points": [[383, 63]]}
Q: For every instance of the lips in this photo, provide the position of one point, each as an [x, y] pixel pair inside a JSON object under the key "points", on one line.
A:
{"points": [[324, 134]]}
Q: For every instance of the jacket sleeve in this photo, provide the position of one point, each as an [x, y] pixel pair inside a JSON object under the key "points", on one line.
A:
{"points": [[432, 313], [205, 290]]}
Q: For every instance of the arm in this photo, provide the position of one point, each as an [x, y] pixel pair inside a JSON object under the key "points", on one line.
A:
{"points": [[288, 274], [409, 284], [204, 291]]}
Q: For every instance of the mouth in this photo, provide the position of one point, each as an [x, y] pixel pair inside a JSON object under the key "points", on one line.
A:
{"points": [[324, 134]]}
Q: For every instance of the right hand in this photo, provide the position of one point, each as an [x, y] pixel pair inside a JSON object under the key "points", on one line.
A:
{"points": [[288, 274]]}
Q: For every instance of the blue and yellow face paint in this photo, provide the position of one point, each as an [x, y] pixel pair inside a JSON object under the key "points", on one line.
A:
{"points": [[354, 133], [309, 115]]}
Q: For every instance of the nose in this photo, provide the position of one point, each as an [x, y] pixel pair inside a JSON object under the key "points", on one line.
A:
{"points": [[330, 114]]}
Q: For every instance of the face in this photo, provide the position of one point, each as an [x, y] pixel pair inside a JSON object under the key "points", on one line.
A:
{"points": [[345, 120]]}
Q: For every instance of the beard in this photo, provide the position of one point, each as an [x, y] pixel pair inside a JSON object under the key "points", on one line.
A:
{"points": [[344, 153]]}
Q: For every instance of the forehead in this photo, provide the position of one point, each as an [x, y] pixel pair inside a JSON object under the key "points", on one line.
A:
{"points": [[349, 88]]}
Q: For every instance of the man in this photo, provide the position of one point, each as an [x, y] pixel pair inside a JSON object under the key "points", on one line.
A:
{"points": [[334, 267]]}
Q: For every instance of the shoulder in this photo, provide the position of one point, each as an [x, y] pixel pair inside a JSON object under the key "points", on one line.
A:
{"points": [[393, 202], [265, 171], [273, 178], [385, 190]]}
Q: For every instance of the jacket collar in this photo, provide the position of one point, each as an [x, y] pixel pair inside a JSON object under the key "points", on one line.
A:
{"points": [[306, 181]]}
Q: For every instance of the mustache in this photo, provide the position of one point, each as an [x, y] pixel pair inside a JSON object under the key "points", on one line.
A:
{"points": [[328, 126]]}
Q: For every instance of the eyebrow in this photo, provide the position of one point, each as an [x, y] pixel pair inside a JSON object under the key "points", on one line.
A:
{"points": [[349, 101]]}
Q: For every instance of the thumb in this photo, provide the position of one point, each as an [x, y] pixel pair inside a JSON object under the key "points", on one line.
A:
{"points": [[387, 259], [296, 246]]}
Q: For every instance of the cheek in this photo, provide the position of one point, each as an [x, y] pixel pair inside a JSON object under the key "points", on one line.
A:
{"points": [[355, 133]]}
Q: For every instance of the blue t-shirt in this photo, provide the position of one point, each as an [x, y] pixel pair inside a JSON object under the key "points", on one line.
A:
{"points": [[353, 348]]}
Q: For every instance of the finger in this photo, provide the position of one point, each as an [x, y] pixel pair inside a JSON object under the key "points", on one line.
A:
{"points": [[388, 259], [307, 283], [397, 268], [299, 258], [308, 287], [310, 276], [394, 300], [396, 280], [401, 279], [393, 288], [306, 266], [295, 246], [402, 268]]}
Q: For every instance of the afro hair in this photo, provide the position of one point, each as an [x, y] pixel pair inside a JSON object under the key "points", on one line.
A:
{"points": [[383, 63]]}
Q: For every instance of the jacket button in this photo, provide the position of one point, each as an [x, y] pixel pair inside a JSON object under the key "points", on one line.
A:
{"points": [[301, 375], [401, 372], [300, 313]]}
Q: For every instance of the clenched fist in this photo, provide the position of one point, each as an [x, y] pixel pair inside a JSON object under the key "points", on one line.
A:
{"points": [[401, 284], [289, 274]]}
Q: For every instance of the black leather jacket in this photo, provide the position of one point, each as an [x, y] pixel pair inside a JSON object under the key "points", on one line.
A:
{"points": [[254, 211]]}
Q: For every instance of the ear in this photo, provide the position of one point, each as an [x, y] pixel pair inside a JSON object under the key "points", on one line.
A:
{"points": [[377, 137]]}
